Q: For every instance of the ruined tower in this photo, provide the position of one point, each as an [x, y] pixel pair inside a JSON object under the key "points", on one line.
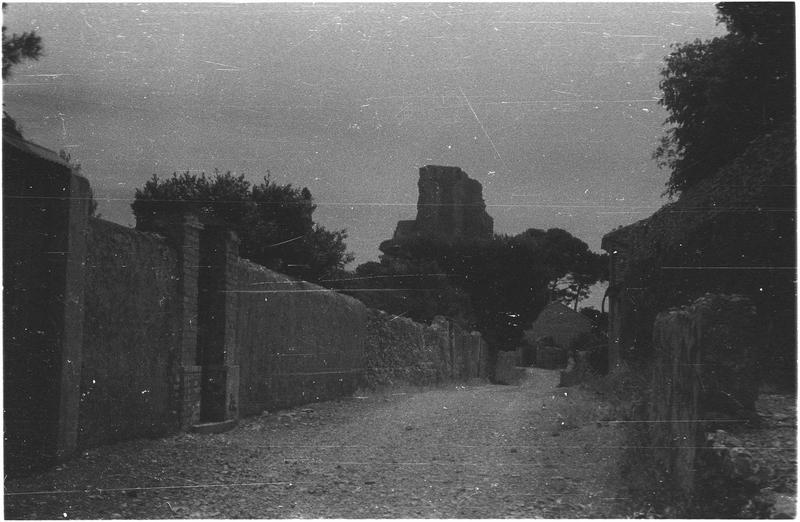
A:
{"points": [[450, 206]]}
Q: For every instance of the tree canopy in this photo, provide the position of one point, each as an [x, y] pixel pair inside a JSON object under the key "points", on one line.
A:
{"points": [[723, 93], [274, 222], [497, 286], [16, 48], [573, 267]]}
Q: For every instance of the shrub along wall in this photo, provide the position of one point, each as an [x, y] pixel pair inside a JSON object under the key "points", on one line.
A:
{"points": [[130, 345], [297, 342]]}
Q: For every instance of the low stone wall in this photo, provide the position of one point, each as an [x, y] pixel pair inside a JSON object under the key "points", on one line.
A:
{"points": [[401, 351], [704, 369]]}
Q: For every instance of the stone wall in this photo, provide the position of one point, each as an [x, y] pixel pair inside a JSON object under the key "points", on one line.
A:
{"points": [[297, 342], [401, 351], [130, 344], [112, 333], [704, 370], [45, 208]]}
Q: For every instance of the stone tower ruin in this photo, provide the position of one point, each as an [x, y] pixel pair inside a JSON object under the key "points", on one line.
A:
{"points": [[450, 207]]}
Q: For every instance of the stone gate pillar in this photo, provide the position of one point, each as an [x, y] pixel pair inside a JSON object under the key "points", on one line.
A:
{"points": [[183, 230], [187, 237], [219, 251]]}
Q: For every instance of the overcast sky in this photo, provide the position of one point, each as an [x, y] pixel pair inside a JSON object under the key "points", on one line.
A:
{"points": [[552, 107]]}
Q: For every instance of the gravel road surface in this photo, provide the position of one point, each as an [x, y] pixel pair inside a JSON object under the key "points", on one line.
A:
{"points": [[476, 451]]}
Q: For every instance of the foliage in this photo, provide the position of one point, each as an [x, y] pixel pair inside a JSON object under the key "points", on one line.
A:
{"points": [[731, 152], [723, 93], [274, 222], [599, 319], [574, 286], [16, 48], [416, 289], [731, 101], [571, 289], [574, 268], [326, 252], [76, 168], [497, 286], [506, 282]]}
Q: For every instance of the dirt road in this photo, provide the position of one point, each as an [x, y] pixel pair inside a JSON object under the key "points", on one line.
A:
{"points": [[482, 451]]}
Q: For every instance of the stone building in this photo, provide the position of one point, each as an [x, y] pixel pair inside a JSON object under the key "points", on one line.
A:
{"points": [[732, 233], [561, 323], [621, 293]]}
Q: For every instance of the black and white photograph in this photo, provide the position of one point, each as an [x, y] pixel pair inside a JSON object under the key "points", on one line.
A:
{"points": [[369, 260]]}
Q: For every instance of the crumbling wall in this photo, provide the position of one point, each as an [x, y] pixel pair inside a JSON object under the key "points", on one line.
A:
{"points": [[704, 370], [401, 351], [396, 352]]}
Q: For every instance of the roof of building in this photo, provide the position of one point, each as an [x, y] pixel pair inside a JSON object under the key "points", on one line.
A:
{"points": [[749, 185], [623, 236], [560, 322], [560, 309]]}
